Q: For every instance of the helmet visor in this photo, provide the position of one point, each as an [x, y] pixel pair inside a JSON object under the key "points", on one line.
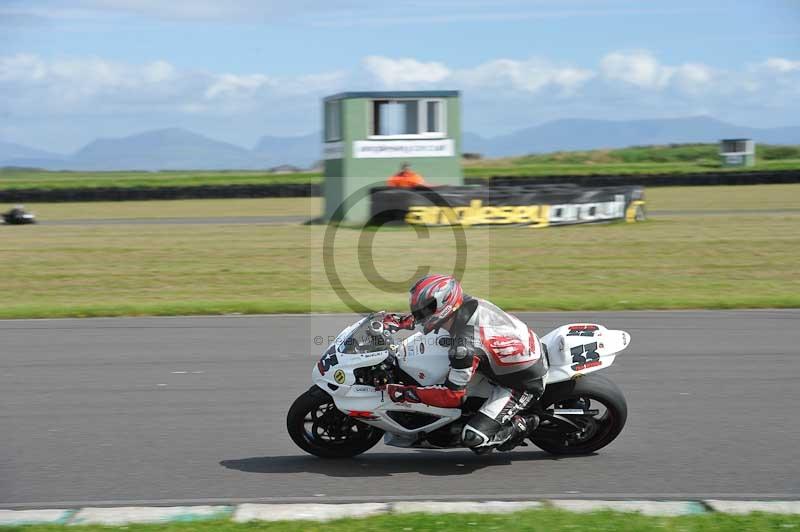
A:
{"points": [[424, 312]]}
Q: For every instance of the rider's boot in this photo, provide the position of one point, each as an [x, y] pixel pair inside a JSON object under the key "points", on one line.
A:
{"points": [[514, 435]]}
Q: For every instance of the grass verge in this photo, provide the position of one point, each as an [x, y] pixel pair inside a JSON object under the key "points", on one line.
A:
{"points": [[519, 167], [759, 197], [194, 208], [745, 260], [724, 261], [43, 179], [536, 520]]}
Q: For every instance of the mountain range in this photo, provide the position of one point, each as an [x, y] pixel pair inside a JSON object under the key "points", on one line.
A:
{"points": [[179, 149], [582, 134]]}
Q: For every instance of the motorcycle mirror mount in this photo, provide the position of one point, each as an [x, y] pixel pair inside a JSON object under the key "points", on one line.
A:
{"points": [[376, 328]]}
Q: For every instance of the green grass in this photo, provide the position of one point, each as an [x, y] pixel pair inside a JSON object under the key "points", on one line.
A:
{"points": [[545, 520], [201, 208], [703, 154], [712, 198], [660, 198], [490, 168], [42, 179], [723, 261], [670, 159]]}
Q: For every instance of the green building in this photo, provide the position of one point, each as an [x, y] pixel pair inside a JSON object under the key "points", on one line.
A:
{"points": [[737, 152], [368, 136]]}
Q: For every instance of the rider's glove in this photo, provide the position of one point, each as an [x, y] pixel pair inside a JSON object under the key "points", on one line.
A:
{"points": [[402, 394], [395, 322]]}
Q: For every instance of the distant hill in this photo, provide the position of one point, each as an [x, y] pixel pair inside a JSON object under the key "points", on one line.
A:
{"points": [[10, 151], [179, 149], [301, 151], [169, 149], [579, 134], [163, 149]]}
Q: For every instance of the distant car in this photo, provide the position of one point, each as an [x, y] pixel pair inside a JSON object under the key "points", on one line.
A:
{"points": [[19, 216]]}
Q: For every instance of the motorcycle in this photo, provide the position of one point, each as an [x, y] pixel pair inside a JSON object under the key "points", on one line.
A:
{"points": [[18, 216], [346, 412]]}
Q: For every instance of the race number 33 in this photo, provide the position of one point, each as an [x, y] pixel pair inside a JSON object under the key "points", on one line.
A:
{"points": [[584, 353]]}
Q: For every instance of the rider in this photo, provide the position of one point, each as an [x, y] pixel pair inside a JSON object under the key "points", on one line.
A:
{"points": [[482, 338]]}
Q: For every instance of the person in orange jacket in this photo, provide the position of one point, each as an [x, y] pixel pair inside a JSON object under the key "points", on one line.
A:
{"points": [[406, 178]]}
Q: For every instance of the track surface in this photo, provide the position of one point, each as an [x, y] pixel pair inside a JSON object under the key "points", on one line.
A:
{"points": [[237, 220], [103, 411], [294, 219]]}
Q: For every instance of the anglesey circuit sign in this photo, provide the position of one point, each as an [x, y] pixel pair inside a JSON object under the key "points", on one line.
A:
{"points": [[534, 206], [541, 215]]}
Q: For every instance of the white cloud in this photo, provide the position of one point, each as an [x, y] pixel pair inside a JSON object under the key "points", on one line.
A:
{"points": [[83, 73], [641, 69], [30, 84], [233, 85], [401, 72], [499, 94], [22, 68], [325, 82], [781, 65], [571, 78], [693, 77], [528, 76], [159, 71]]}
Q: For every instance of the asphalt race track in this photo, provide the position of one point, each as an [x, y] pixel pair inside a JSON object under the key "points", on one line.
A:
{"points": [[167, 410], [236, 220], [296, 219]]}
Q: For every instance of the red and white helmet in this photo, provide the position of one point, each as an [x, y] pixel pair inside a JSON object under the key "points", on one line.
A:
{"points": [[433, 299]]}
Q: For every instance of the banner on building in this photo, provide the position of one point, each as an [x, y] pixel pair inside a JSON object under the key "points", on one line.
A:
{"points": [[332, 150], [531, 205], [388, 149]]}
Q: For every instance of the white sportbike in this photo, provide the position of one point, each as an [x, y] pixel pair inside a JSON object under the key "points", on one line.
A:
{"points": [[346, 413]]}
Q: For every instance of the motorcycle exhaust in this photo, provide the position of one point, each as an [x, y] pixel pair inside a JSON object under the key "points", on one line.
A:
{"points": [[572, 412]]}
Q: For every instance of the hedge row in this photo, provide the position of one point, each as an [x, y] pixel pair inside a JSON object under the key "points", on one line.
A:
{"points": [[660, 180], [160, 193], [309, 189]]}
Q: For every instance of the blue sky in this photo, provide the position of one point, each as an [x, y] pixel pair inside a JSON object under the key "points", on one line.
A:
{"points": [[71, 71]]}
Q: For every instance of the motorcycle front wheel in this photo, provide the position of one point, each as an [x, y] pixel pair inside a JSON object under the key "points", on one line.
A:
{"points": [[586, 433], [319, 428]]}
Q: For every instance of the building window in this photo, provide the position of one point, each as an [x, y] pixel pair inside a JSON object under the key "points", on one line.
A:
{"points": [[392, 117], [333, 121], [407, 118], [433, 116], [737, 146]]}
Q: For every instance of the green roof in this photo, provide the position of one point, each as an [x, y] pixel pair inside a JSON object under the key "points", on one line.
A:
{"points": [[390, 95]]}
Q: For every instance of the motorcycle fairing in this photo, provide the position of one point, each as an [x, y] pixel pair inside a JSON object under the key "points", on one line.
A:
{"points": [[425, 358], [577, 349]]}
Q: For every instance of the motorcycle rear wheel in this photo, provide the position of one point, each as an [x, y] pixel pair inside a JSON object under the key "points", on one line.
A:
{"points": [[593, 392], [319, 428]]}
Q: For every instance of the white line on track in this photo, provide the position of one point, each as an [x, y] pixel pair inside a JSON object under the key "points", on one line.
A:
{"points": [[389, 498]]}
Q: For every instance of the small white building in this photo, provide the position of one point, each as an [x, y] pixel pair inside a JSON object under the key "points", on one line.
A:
{"points": [[737, 152]]}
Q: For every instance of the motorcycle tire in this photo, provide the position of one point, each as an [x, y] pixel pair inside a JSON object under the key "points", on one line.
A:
{"points": [[333, 434], [596, 388]]}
